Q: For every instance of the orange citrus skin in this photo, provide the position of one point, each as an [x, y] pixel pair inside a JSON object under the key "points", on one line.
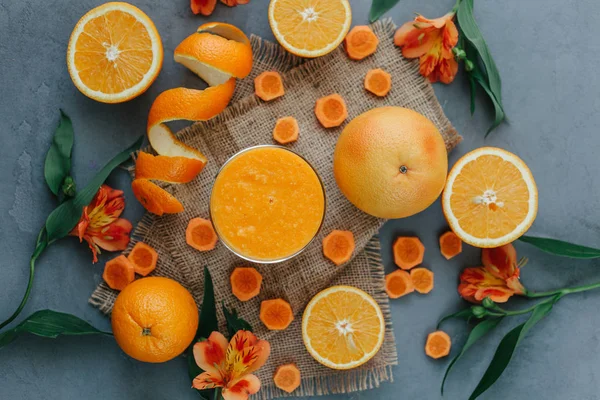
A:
{"points": [[136, 54], [167, 169], [154, 319], [154, 198], [391, 162]]}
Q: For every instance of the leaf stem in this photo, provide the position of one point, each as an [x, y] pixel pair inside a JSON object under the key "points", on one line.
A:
{"points": [[565, 291], [25, 297]]}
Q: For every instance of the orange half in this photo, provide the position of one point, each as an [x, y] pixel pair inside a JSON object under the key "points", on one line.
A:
{"points": [[310, 28], [114, 53], [343, 327], [490, 198]]}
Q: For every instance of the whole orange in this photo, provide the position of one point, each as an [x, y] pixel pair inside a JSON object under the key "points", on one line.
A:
{"points": [[154, 319], [391, 162]]}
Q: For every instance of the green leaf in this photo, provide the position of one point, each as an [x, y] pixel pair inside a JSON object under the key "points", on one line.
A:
{"points": [[560, 248], [65, 217], [507, 347], [473, 91], [207, 324], [380, 7], [50, 324], [58, 160], [479, 331], [235, 323], [465, 314], [473, 34]]}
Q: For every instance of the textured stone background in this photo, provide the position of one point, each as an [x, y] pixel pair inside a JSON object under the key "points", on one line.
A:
{"points": [[547, 52]]}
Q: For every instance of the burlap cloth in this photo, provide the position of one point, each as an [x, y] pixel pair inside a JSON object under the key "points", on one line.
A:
{"points": [[248, 122]]}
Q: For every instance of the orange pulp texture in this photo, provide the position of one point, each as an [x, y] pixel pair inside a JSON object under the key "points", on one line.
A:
{"points": [[267, 203]]}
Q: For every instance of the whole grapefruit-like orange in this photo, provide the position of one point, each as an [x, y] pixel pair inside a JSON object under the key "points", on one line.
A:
{"points": [[154, 319], [391, 162]]}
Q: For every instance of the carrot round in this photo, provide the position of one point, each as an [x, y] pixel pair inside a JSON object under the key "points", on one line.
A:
{"points": [[408, 252], [286, 130], [331, 110], [143, 258], [338, 246], [438, 344], [118, 273], [245, 283], [398, 284], [361, 42], [287, 377], [269, 85], [422, 279], [450, 245], [276, 314], [378, 82], [200, 234]]}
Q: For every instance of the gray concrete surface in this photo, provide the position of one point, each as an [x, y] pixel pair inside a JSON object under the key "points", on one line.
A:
{"points": [[548, 54]]}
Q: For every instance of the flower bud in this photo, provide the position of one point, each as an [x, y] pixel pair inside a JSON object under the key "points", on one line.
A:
{"points": [[478, 311], [459, 53], [469, 65], [68, 187]]}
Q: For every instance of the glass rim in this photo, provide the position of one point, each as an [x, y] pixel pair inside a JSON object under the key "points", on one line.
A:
{"points": [[275, 260]]}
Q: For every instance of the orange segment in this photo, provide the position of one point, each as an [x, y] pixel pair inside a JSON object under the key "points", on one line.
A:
{"points": [[167, 169], [343, 327], [114, 53], [310, 28], [155, 199], [490, 198]]}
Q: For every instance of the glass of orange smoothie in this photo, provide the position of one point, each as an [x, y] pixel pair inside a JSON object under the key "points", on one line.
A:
{"points": [[267, 204]]}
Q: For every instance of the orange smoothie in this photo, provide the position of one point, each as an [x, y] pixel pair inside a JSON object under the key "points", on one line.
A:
{"points": [[267, 204]]}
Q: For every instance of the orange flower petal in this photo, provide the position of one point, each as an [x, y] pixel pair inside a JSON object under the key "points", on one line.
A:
{"points": [[496, 294], [263, 355], [450, 35], [515, 285], [210, 354], [428, 63], [467, 291], [113, 237], [241, 388], [436, 22], [243, 339], [447, 69], [207, 380], [501, 261], [420, 42], [402, 33]]}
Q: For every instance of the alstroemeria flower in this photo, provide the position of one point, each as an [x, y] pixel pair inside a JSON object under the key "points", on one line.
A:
{"points": [[498, 279], [430, 40], [100, 224], [230, 365]]}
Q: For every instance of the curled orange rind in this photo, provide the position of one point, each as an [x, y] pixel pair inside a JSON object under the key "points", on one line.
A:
{"points": [[218, 53]]}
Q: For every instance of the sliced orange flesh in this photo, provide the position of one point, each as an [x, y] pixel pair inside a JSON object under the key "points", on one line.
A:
{"points": [[343, 327], [490, 198], [310, 28], [114, 53]]}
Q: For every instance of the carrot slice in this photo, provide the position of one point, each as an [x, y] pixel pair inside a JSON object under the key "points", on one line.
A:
{"points": [[269, 85], [276, 314], [287, 377], [408, 252], [361, 42], [286, 130], [438, 344], [398, 284], [200, 234], [118, 273], [338, 246], [450, 245], [378, 82], [143, 258], [245, 283], [422, 279], [331, 110]]}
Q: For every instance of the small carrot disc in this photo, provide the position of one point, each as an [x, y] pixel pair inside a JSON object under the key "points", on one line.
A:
{"points": [[398, 284], [245, 283], [269, 85], [361, 42], [338, 246], [200, 234], [287, 377], [408, 252], [422, 280], [276, 314], [118, 273], [286, 130], [378, 82], [450, 245], [438, 344], [331, 111], [143, 258]]}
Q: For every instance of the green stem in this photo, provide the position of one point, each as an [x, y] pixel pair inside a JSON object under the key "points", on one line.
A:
{"points": [[525, 310], [455, 8], [217, 395], [39, 248], [566, 291]]}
